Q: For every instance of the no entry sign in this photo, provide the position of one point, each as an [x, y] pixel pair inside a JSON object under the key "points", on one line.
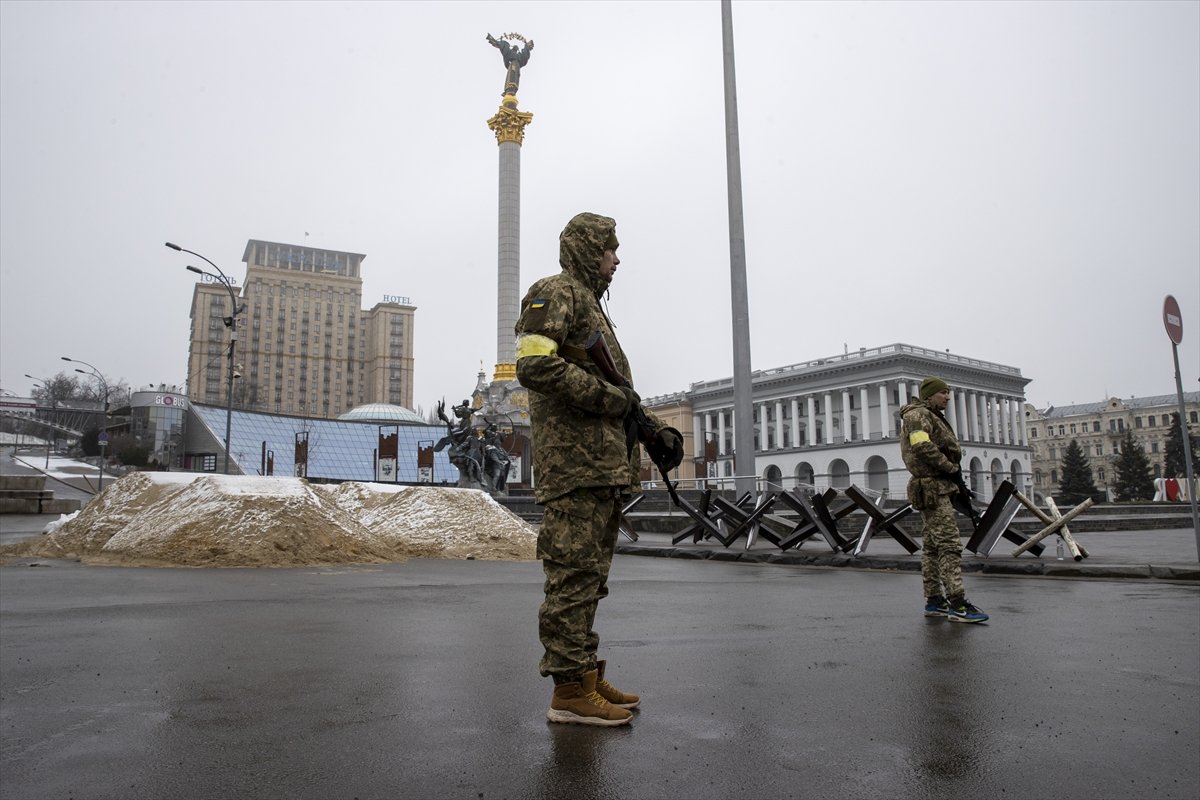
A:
{"points": [[1172, 319]]}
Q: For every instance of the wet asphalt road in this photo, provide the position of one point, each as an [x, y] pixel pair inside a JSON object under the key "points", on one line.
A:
{"points": [[759, 681]]}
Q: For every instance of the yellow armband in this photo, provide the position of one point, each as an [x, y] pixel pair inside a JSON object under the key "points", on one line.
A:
{"points": [[916, 437], [533, 344]]}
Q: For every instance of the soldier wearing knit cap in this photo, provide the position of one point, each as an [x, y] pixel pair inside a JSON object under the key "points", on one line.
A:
{"points": [[932, 454], [931, 386]]}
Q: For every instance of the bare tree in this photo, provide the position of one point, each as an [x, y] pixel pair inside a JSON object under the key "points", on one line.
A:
{"points": [[59, 389]]}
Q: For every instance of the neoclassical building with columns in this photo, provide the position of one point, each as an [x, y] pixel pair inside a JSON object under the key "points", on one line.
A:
{"points": [[834, 421]]}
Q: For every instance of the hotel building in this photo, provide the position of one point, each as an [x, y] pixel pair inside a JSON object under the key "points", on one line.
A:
{"points": [[305, 346]]}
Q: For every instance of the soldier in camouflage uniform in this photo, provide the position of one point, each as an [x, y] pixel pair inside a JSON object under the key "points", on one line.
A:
{"points": [[583, 469], [932, 454]]}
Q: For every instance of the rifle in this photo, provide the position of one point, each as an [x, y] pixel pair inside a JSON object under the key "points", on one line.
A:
{"points": [[638, 426], [961, 500]]}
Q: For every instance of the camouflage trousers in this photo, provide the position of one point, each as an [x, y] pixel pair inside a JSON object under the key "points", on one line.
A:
{"points": [[941, 559], [575, 543]]}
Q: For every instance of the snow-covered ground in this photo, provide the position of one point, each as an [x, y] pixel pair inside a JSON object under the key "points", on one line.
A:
{"points": [[20, 440], [59, 466], [190, 519]]}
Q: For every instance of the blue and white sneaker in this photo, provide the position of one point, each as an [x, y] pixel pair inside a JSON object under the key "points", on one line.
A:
{"points": [[963, 611], [937, 607]]}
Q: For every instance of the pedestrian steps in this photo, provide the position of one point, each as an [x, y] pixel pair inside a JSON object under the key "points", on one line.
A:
{"points": [[27, 494]]}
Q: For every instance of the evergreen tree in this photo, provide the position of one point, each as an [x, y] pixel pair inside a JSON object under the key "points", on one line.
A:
{"points": [[1173, 464], [90, 442], [1132, 480], [128, 450], [1076, 484]]}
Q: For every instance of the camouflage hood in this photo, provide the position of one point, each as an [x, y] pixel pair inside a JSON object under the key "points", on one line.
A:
{"points": [[580, 246]]}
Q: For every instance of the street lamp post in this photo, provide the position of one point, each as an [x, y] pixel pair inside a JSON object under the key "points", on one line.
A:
{"points": [[231, 323], [103, 438], [45, 384]]}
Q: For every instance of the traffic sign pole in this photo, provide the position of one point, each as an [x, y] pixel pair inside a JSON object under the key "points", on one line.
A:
{"points": [[102, 440], [1173, 322]]}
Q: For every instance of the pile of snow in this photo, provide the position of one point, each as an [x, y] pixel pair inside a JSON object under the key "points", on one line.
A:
{"points": [[170, 518]]}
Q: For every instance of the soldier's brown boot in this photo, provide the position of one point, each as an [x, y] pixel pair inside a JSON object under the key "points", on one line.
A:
{"points": [[611, 693], [579, 703]]}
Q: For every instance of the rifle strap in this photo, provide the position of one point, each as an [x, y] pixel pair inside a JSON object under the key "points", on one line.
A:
{"points": [[573, 353], [631, 434]]}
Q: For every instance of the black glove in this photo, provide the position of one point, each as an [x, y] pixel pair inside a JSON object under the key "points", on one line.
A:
{"points": [[666, 449], [631, 413]]}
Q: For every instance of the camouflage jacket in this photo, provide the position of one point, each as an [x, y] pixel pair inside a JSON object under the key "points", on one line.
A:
{"points": [[578, 435], [927, 442]]}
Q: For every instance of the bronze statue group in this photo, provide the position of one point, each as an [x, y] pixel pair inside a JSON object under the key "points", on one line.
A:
{"points": [[479, 455]]}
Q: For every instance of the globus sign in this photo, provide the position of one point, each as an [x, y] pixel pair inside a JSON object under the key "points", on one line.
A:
{"points": [[144, 399]]}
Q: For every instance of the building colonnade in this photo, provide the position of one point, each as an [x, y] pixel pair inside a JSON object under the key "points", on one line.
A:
{"points": [[836, 417]]}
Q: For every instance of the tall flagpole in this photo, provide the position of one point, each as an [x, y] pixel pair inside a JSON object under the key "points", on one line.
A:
{"points": [[743, 405]]}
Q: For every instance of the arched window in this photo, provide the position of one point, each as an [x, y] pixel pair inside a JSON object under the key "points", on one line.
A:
{"points": [[804, 474], [1014, 473], [976, 476], [839, 474], [773, 477], [997, 473], [877, 473]]}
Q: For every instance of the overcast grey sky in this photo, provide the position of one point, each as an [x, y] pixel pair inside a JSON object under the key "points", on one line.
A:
{"points": [[1014, 182]]}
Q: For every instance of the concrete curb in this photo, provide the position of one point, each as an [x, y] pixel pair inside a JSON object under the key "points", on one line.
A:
{"points": [[1175, 572]]}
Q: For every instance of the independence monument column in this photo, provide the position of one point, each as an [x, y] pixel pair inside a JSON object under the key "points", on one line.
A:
{"points": [[509, 126]]}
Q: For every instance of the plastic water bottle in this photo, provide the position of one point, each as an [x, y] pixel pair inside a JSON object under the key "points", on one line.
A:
{"points": [[1060, 547]]}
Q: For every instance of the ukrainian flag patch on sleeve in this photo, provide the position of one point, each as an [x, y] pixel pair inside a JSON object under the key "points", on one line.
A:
{"points": [[537, 303]]}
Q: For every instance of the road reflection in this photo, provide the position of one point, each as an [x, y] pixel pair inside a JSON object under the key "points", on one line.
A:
{"points": [[950, 682], [577, 765]]}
